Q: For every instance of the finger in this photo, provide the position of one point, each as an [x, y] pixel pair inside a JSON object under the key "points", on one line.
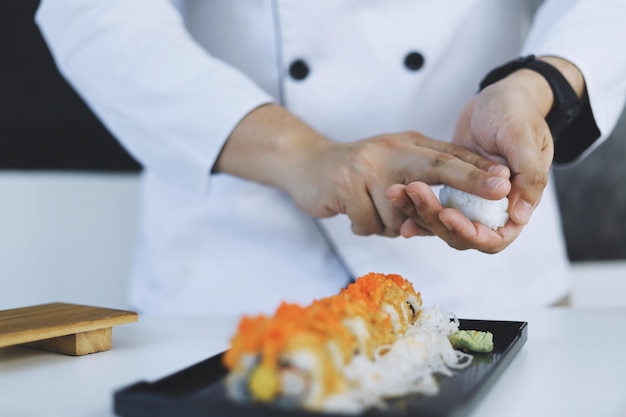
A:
{"points": [[458, 225], [397, 195], [427, 208], [363, 214], [466, 155], [435, 167], [390, 213], [454, 228], [411, 229], [530, 166], [466, 234], [479, 161]]}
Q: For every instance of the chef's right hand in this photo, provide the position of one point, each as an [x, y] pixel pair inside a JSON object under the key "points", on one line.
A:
{"points": [[325, 178], [352, 178]]}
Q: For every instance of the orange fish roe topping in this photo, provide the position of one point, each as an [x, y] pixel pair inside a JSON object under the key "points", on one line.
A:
{"points": [[252, 327], [325, 321]]}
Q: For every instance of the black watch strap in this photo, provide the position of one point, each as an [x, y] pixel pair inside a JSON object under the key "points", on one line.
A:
{"points": [[566, 106]]}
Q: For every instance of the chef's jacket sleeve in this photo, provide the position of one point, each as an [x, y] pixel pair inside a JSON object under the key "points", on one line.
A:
{"points": [[591, 34], [168, 102]]}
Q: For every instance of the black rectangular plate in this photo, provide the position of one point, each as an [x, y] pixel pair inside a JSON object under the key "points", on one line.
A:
{"points": [[198, 391]]}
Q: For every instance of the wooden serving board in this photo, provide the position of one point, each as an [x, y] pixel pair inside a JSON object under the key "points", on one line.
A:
{"points": [[71, 329]]}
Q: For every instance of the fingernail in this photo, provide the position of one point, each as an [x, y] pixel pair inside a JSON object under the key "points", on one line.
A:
{"points": [[495, 182], [497, 169], [417, 200], [448, 226], [523, 210]]}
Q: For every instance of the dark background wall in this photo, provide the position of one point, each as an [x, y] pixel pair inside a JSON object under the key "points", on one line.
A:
{"points": [[592, 195], [44, 125]]}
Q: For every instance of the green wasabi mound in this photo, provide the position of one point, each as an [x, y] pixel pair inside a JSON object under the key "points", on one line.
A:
{"points": [[472, 341]]}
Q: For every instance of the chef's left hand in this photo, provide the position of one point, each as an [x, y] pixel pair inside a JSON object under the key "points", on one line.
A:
{"points": [[504, 122]]}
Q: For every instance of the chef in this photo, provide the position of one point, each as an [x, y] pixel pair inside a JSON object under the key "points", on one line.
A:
{"points": [[262, 124]]}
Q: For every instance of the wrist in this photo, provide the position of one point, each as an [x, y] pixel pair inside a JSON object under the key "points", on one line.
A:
{"points": [[535, 87], [560, 90], [270, 146], [570, 71]]}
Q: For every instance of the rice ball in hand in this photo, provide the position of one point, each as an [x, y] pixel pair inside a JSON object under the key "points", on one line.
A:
{"points": [[491, 213]]}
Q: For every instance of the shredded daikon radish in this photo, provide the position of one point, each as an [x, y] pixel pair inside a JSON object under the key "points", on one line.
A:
{"points": [[407, 366]]}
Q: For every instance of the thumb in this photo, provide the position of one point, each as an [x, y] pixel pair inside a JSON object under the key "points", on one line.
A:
{"points": [[530, 167]]}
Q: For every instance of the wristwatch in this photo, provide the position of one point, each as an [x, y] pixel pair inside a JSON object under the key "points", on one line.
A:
{"points": [[566, 106]]}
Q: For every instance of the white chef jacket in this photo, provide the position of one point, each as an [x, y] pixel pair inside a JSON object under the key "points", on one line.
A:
{"points": [[171, 82]]}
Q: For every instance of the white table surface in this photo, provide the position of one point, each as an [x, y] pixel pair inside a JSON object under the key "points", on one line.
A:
{"points": [[573, 364]]}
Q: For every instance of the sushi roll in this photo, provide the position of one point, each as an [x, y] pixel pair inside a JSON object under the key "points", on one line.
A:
{"points": [[298, 357], [491, 213]]}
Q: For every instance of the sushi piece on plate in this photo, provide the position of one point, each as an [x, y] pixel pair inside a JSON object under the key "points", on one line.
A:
{"points": [[343, 353]]}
